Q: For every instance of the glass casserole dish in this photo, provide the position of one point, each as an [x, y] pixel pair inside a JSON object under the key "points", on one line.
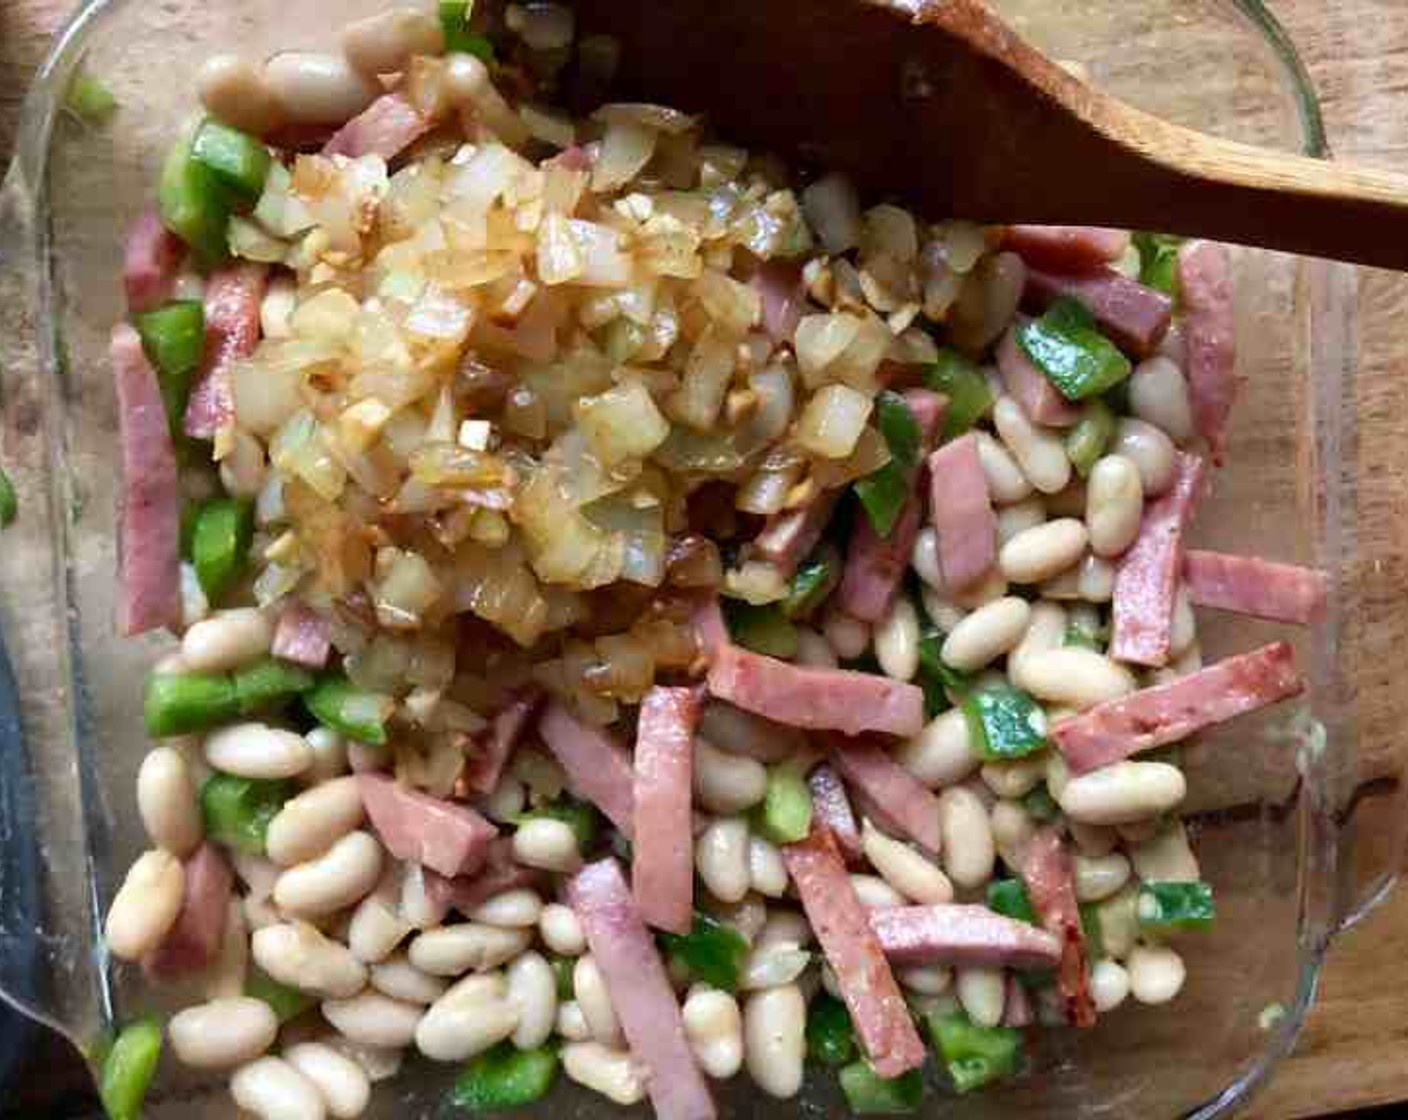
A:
{"points": [[1291, 811]]}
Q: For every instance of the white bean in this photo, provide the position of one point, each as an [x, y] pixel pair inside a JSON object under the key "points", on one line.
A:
{"points": [[1044, 551], [194, 605], [874, 893], [309, 824], [986, 634], [243, 470], [467, 83], [721, 856], [379, 1063], [1156, 973], [222, 1033], [738, 732], [784, 927], [1118, 916], [1114, 505], [1167, 857], [375, 930], [897, 641], [506, 801], [329, 754], [1149, 449], [814, 650], [767, 873], [571, 1023], [315, 88], [727, 783], [341, 876], [1058, 774], [341, 1082], [713, 1024], [967, 833], [849, 637], [1075, 677], [1094, 839], [747, 916], [1098, 877], [1039, 452], [1109, 985], [226, 977], [533, 987], [272, 1089], [1017, 518], [466, 946], [146, 905], [513, 909], [982, 993], [909, 872], [774, 1039], [925, 558], [589, 987], [1046, 630], [561, 931], [1123, 792], [768, 966], [255, 750], [1006, 482], [166, 801], [1015, 778], [386, 42], [398, 978], [942, 612], [234, 91], [1158, 395], [926, 980], [227, 640], [1011, 829], [1096, 582], [942, 753], [1183, 630], [296, 954], [548, 844], [374, 1019], [418, 905], [612, 1073]]}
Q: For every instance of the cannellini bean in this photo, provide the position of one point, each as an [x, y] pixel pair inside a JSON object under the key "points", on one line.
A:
{"points": [[747, 916], [374, 1019], [233, 90], [341, 1082], [983, 994], [533, 987], [768, 966], [166, 802], [1183, 631], [467, 83], [738, 732], [1156, 973], [1044, 551], [774, 1039], [146, 905], [1094, 839], [1114, 505], [341, 876], [1118, 916], [418, 906], [1046, 629], [989, 589], [466, 946], [243, 468], [296, 954], [329, 754], [225, 978], [1017, 518], [1075, 677], [222, 1033], [1016, 778], [312, 88], [227, 640], [612, 1073], [386, 42], [986, 634], [379, 1063], [1158, 395], [255, 750], [548, 844], [784, 927], [194, 605], [1039, 452], [767, 873], [942, 753], [515, 909], [721, 857], [1058, 774], [925, 558], [571, 1023], [727, 783], [967, 835], [849, 637], [1123, 792], [1096, 582], [713, 1024], [1011, 829], [309, 824], [1149, 449], [1109, 985], [1166, 857], [1098, 877], [897, 641], [814, 650], [874, 893], [904, 869], [272, 1089], [926, 980], [561, 931], [375, 930], [942, 613], [507, 800], [589, 987], [1006, 482], [398, 978]]}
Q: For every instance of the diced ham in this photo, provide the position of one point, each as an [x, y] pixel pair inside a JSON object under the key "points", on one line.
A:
{"points": [[832, 807], [817, 699], [787, 537], [1030, 388], [1135, 317], [842, 928], [150, 262], [1209, 328], [232, 298], [784, 295], [1169, 712], [303, 636], [964, 936], [485, 765], [929, 409], [961, 511], [905, 805], [1248, 585], [1046, 869], [385, 128], [1147, 578], [447, 837], [640, 991], [501, 872], [662, 868], [598, 768], [1066, 248], [1017, 1011], [151, 500], [193, 942]]}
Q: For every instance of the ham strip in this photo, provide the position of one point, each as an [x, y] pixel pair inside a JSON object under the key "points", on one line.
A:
{"points": [[1135, 317], [193, 942], [232, 298], [303, 636], [1147, 578], [1046, 869], [150, 262], [483, 768], [963, 936], [501, 872], [1030, 388], [385, 128], [1066, 248], [842, 928], [598, 768], [784, 295], [787, 537], [1247, 585], [832, 807], [447, 837], [895, 794], [1152, 717], [962, 512], [662, 870], [640, 991], [1209, 327], [151, 515]]}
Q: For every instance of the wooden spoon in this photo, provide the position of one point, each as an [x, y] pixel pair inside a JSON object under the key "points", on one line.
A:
{"points": [[940, 102]]}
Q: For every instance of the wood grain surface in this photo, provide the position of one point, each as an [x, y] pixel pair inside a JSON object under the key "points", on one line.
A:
{"points": [[1354, 1052]]}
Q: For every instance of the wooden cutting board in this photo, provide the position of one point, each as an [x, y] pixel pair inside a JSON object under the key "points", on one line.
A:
{"points": [[1354, 1051]]}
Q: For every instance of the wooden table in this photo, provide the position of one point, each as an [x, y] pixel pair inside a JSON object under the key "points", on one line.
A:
{"points": [[1354, 1051]]}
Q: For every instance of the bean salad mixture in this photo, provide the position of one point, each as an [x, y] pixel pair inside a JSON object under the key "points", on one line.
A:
{"points": [[647, 616]]}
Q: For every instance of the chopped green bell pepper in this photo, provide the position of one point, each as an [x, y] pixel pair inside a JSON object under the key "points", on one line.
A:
{"points": [[582, 818], [238, 162], [454, 19], [563, 969], [1091, 930], [224, 530], [1004, 722], [504, 1077], [237, 811], [285, 1002], [1084, 637], [337, 703], [975, 1056], [9, 501], [831, 1036], [969, 396], [884, 492], [763, 629], [786, 812], [1158, 261], [182, 703], [816, 578], [128, 1069], [931, 644], [1074, 356], [268, 683], [712, 952], [1009, 898], [89, 100], [192, 205], [173, 337], [1175, 906], [869, 1094], [1086, 442], [1040, 805]]}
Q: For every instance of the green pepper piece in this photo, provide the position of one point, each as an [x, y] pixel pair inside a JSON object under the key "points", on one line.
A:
{"points": [[220, 541], [128, 1069], [182, 703], [1086, 442], [1009, 898], [239, 162], [816, 578], [9, 501], [931, 644], [1176, 906], [504, 1077], [1074, 356], [869, 1094], [975, 1056], [713, 952], [969, 397], [268, 683], [1158, 261], [884, 492], [563, 969], [89, 100], [582, 818], [1040, 805], [1086, 637], [337, 703], [786, 811], [285, 1002], [192, 206], [936, 701], [763, 629], [1004, 722], [454, 19], [173, 337], [831, 1036], [237, 811]]}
